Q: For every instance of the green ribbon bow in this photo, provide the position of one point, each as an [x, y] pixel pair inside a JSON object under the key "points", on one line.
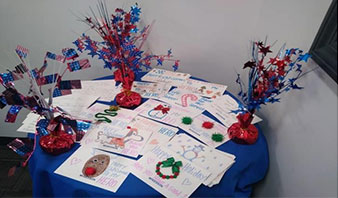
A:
{"points": [[170, 162]]}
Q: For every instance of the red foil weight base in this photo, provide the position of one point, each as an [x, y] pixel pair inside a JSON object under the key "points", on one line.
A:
{"points": [[56, 144], [243, 132], [128, 99]]}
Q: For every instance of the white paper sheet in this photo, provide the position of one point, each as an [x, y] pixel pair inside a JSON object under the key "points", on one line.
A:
{"points": [[127, 141], [151, 89], [161, 75], [161, 133], [206, 89], [221, 108], [203, 134], [164, 112], [213, 160], [190, 177], [28, 125], [111, 170], [105, 89], [74, 103]]}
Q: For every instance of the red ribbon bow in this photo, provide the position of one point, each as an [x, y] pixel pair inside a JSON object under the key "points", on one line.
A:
{"points": [[162, 108]]}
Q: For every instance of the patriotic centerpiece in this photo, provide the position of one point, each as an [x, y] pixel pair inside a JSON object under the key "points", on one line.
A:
{"points": [[57, 129], [268, 78], [120, 48]]}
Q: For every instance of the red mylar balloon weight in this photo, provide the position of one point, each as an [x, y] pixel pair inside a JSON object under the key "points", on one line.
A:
{"points": [[241, 135], [56, 144], [128, 99]]}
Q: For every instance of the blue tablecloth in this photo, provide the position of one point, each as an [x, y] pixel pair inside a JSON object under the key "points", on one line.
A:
{"points": [[250, 167]]}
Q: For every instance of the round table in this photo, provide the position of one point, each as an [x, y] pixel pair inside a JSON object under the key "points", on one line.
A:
{"points": [[251, 165]]}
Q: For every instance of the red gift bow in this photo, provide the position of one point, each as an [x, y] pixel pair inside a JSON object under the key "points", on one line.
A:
{"points": [[162, 108]]}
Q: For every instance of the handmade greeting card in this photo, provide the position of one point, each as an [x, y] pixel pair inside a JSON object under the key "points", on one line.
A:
{"points": [[97, 168], [161, 75], [161, 133], [151, 89], [127, 140], [213, 160], [169, 173], [164, 112], [202, 127], [205, 89], [222, 108]]}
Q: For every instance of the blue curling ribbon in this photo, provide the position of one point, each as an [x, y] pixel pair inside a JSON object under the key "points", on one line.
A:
{"points": [[41, 127]]}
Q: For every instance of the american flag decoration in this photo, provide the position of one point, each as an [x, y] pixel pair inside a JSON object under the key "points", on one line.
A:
{"points": [[34, 99], [21, 51]]}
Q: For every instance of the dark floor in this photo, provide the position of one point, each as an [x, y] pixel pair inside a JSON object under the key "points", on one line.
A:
{"points": [[19, 185]]}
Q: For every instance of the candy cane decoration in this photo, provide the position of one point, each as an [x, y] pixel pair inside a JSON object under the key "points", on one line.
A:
{"points": [[185, 97]]}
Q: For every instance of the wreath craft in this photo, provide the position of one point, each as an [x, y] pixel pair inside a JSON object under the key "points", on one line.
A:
{"points": [[170, 162]]}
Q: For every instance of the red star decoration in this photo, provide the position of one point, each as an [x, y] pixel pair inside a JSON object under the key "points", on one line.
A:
{"points": [[287, 59], [272, 61], [250, 64], [265, 50]]}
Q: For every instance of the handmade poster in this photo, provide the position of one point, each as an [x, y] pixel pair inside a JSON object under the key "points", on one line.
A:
{"points": [[204, 134], [213, 160], [98, 168], [206, 89], [105, 90], [28, 125], [164, 112], [189, 177], [126, 140], [161, 75], [161, 133], [222, 108], [151, 89]]}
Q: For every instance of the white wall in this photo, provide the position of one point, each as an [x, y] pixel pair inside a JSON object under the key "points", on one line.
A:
{"points": [[211, 40]]}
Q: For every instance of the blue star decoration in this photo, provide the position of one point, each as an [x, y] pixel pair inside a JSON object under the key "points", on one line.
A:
{"points": [[134, 30], [304, 57], [159, 62], [135, 10]]}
